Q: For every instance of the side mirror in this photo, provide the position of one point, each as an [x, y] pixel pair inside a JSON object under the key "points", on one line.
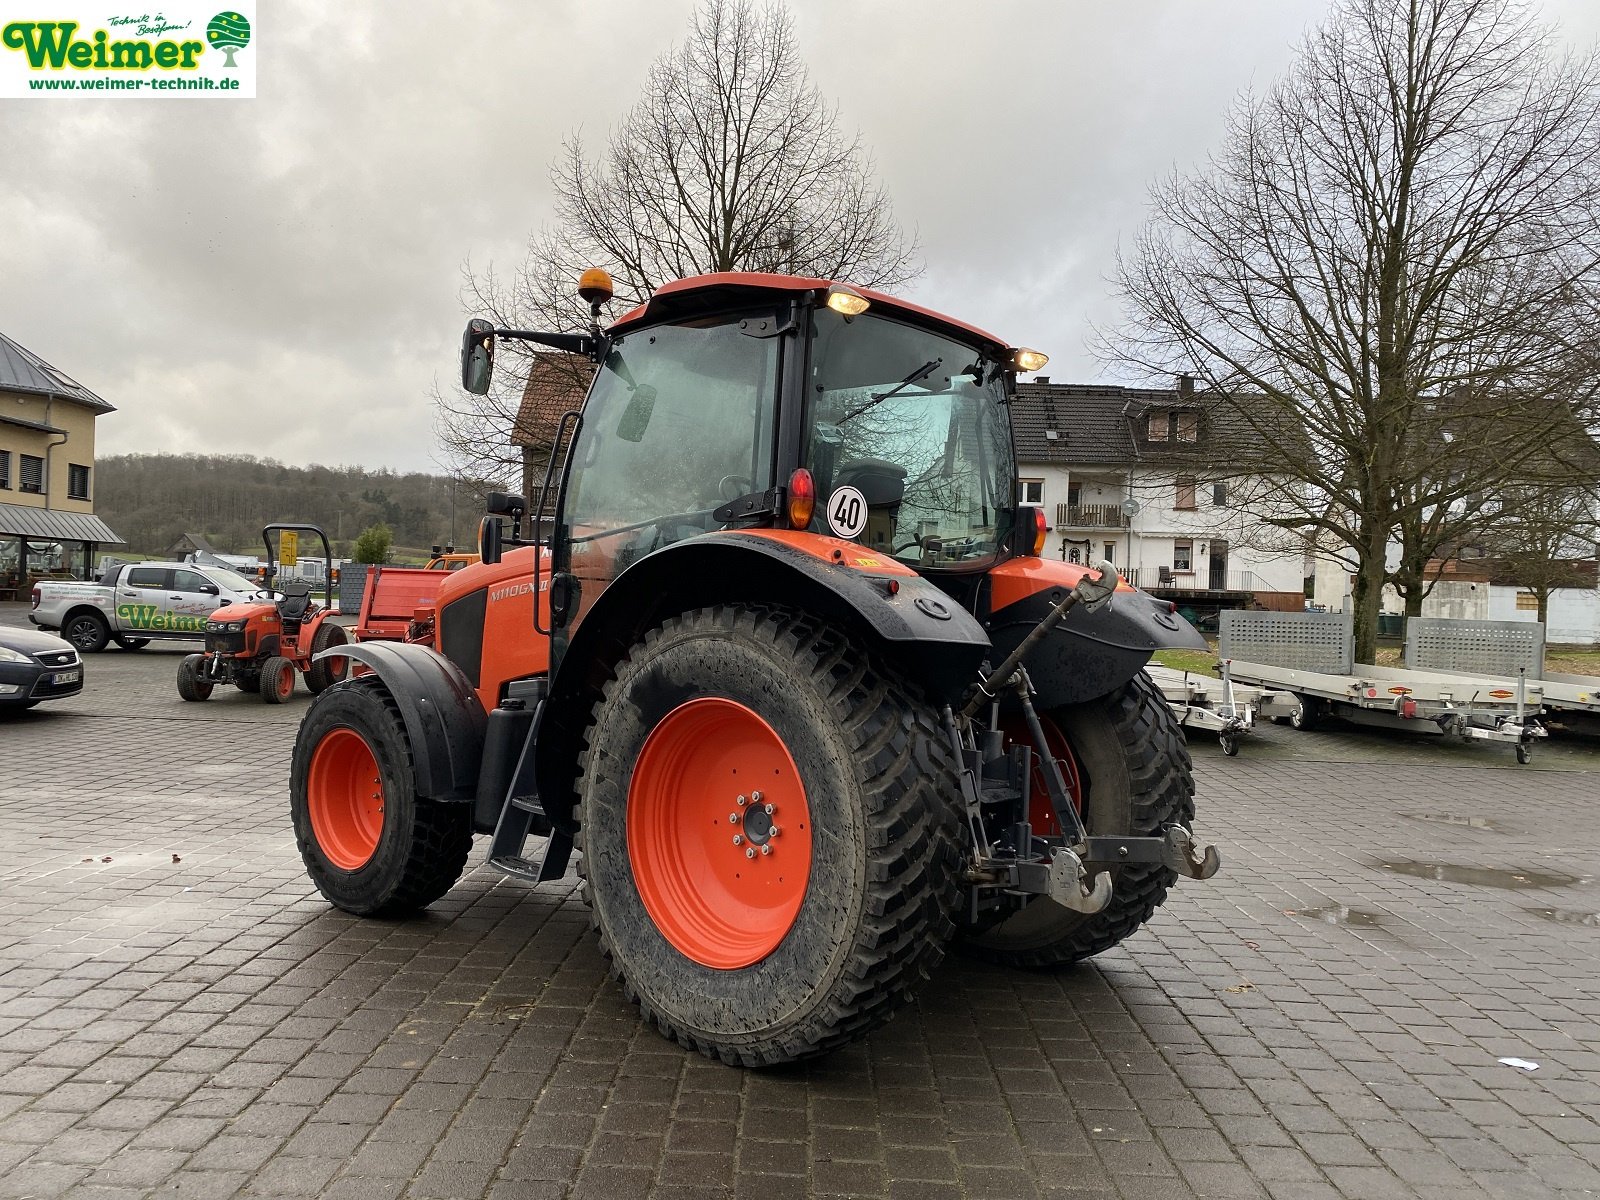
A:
{"points": [[635, 418], [477, 356], [504, 504], [489, 539], [210, 589]]}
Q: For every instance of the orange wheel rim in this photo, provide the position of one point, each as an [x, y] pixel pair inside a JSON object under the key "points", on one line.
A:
{"points": [[345, 799], [1041, 811], [286, 684], [719, 835]]}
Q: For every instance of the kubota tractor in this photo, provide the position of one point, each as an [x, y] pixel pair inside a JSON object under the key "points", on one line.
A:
{"points": [[786, 670], [259, 647]]}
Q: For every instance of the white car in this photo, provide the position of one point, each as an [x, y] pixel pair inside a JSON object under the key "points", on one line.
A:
{"points": [[139, 601]]}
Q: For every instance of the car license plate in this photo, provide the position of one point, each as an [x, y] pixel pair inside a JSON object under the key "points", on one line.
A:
{"points": [[61, 677]]}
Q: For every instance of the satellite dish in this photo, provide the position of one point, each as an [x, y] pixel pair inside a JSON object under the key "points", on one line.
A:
{"points": [[1130, 507]]}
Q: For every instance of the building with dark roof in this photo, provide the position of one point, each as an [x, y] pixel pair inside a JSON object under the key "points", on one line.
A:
{"points": [[557, 384], [1141, 476], [47, 521]]}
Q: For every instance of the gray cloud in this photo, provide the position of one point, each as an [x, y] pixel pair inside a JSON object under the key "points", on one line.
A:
{"points": [[279, 276]]}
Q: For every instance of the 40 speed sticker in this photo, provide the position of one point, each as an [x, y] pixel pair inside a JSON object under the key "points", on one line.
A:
{"points": [[150, 616], [847, 511]]}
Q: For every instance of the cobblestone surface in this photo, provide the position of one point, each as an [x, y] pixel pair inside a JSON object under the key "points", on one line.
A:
{"points": [[181, 1014]]}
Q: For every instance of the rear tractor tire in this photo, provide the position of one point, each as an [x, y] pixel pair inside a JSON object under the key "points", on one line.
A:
{"points": [[371, 845], [1134, 768], [320, 676], [277, 680], [192, 682], [724, 729]]}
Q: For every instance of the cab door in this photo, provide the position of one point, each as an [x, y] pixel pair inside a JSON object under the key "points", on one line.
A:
{"points": [[191, 599]]}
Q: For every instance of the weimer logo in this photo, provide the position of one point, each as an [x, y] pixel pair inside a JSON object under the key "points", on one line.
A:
{"points": [[52, 44], [183, 48]]}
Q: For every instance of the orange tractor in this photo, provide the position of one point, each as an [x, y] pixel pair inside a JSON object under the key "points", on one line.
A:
{"points": [[786, 670], [259, 647]]}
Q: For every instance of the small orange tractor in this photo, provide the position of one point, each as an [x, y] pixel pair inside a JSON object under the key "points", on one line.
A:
{"points": [[259, 647], [786, 671]]}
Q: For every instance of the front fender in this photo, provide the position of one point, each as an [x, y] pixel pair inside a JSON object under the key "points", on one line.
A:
{"points": [[443, 719], [1090, 653]]}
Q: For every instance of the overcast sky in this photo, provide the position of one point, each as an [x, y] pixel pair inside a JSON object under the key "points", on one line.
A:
{"points": [[280, 276]]}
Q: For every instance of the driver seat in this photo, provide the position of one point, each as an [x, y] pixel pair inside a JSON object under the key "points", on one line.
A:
{"points": [[296, 602]]}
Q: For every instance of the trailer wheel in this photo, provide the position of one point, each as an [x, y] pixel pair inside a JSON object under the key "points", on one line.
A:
{"points": [[87, 631], [129, 643], [321, 676], [1132, 758], [1307, 714], [759, 936], [277, 680], [371, 845], [1229, 743], [192, 682], [1524, 753]]}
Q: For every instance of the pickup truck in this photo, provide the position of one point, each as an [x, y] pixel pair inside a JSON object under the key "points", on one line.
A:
{"points": [[135, 602]]}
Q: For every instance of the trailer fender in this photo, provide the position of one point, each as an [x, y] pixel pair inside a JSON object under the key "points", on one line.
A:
{"points": [[1090, 653], [928, 635], [439, 707]]}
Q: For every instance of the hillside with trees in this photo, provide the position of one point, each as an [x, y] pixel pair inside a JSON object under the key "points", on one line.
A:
{"points": [[153, 499]]}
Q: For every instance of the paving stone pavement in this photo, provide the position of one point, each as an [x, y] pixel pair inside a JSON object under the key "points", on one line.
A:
{"points": [[182, 1015]]}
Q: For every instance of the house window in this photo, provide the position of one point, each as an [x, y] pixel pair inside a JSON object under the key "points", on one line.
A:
{"points": [[32, 473], [1188, 427], [1183, 556], [1185, 491], [77, 481], [1074, 494], [5, 468], [1158, 427], [1030, 491], [1111, 552], [1219, 494]]}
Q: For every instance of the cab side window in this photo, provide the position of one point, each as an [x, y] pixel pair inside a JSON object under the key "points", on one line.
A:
{"points": [[190, 581], [150, 578]]}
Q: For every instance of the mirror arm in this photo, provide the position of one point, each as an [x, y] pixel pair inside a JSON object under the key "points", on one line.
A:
{"points": [[572, 343]]}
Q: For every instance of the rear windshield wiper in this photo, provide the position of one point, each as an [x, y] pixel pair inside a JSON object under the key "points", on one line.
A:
{"points": [[922, 372]]}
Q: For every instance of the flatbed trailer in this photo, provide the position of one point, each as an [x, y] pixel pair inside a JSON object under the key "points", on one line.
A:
{"points": [[1310, 657], [1222, 706]]}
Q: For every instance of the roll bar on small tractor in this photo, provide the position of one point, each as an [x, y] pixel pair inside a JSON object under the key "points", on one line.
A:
{"points": [[273, 545]]}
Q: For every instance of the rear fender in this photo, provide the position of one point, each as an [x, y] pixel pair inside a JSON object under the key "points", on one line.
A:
{"points": [[908, 620], [1090, 653], [443, 719]]}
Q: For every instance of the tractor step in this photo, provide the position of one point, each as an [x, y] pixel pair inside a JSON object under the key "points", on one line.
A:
{"points": [[552, 864]]}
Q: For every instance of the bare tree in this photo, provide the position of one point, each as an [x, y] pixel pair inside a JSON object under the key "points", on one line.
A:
{"points": [[1543, 539], [1389, 267], [731, 160]]}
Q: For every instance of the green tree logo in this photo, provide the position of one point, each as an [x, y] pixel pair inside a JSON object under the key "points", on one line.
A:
{"points": [[228, 31]]}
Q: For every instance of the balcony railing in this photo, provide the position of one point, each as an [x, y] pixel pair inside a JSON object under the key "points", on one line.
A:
{"points": [[1090, 516], [1203, 580]]}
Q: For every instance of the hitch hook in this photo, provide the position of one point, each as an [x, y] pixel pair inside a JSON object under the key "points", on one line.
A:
{"points": [[1069, 884], [1181, 853]]}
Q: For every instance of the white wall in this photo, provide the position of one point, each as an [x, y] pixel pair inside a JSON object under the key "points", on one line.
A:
{"points": [[1574, 614]]}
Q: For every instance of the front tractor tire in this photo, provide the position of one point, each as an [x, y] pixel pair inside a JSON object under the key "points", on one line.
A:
{"points": [[1134, 767], [277, 680], [193, 683], [769, 829], [371, 845]]}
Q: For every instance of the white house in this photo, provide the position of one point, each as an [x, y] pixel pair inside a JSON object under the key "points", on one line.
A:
{"points": [[1140, 476]]}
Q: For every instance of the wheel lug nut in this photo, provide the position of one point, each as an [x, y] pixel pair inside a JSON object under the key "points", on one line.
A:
{"points": [[749, 852], [740, 802], [774, 831], [755, 797], [738, 839], [769, 810], [766, 849], [733, 818]]}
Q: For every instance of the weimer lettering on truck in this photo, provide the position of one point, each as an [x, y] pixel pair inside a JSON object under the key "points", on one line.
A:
{"points": [[150, 616]]}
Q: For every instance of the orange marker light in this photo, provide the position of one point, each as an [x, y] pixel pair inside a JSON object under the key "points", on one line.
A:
{"points": [[802, 498], [594, 286], [1041, 529]]}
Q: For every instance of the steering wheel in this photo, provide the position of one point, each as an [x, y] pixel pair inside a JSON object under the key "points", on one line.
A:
{"points": [[731, 487]]}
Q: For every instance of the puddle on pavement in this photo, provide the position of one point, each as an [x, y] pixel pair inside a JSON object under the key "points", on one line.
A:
{"points": [[1509, 878], [1338, 914], [1457, 819], [1567, 916]]}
